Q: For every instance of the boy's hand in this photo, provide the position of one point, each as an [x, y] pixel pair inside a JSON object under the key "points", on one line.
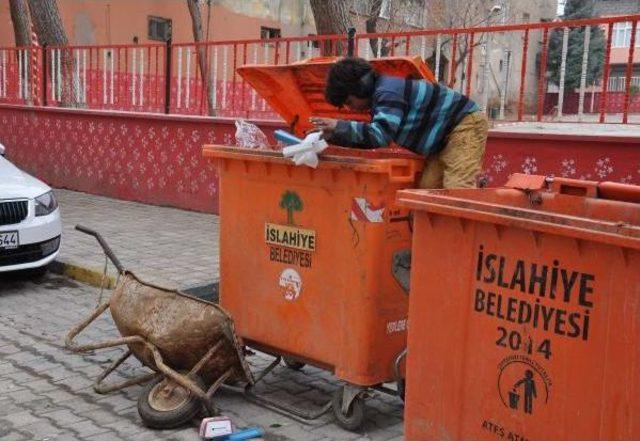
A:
{"points": [[327, 125]]}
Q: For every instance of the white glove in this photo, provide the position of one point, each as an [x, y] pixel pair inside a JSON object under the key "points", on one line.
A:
{"points": [[306, 153]]}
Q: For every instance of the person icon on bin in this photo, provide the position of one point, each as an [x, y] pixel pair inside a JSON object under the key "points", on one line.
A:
{"points": [[529, 386]]}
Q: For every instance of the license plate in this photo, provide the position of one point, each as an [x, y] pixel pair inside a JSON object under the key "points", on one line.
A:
{"points": [[9, 240]]}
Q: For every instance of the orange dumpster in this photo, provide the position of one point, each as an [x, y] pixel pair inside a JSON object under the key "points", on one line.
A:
{"points": [[306, 254], [525, 312]]}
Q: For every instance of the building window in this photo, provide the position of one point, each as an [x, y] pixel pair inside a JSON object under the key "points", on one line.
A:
{"points": [[269, 33], [618, 84], [159, 28], [622, 35]]}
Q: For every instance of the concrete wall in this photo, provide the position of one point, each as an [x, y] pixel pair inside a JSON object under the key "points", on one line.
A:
{"points": [[157, 159]]}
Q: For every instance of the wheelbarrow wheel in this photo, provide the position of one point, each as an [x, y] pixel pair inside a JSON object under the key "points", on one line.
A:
{"points": [[354, 418], [293, 364], [163, 404]]}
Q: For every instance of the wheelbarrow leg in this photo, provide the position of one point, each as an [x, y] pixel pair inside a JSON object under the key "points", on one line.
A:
{"points": [[105, 389], [68, 341], [212, 410]]}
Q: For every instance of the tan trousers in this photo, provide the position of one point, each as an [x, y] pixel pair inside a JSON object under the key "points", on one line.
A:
{"points": [[460, 162]]}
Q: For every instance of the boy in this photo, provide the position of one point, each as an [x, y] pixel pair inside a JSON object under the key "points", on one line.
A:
{"points": [[432, 120]]}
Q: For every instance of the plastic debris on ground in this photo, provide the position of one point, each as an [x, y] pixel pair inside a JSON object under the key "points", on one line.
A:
{"points": [[221, 428], [216, 427]]}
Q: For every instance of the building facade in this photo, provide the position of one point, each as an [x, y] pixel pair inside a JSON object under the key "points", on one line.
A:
{"points": [[605, 8], [111, 22], [620, 42]]}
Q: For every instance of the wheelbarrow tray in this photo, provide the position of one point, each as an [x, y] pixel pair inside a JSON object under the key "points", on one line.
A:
{"points": [[183, 328]]}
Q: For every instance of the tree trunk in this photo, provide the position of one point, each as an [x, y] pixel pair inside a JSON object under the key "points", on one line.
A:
{"points": [[196, 24], [22, 33], [50, 31], [21, 22], [371, 25], [331, 17]]}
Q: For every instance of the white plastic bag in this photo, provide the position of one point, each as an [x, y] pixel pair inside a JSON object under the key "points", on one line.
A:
{"points": [[306, 153], [250, 136]]}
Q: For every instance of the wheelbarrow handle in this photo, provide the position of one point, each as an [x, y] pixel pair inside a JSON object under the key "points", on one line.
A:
{"points": [[107, 249]]}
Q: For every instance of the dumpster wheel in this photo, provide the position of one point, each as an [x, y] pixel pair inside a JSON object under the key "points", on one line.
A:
{"points": [[163, 404], [350, 416]]}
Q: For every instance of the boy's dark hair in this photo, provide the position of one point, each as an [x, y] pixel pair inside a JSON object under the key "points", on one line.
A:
{"points": [[349, 76]]}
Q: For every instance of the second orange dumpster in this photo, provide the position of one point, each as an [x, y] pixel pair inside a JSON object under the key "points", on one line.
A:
{"points": [[525, 313]]}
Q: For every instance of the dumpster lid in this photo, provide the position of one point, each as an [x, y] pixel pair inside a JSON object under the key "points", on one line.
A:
{"points": [[605, 212], [296, 91]]}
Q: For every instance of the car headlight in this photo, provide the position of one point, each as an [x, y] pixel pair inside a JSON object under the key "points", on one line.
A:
{"points": [[46, 204]]}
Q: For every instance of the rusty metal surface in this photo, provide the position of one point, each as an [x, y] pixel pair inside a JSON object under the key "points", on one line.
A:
{"points": [[183, 328], [169, 332]]}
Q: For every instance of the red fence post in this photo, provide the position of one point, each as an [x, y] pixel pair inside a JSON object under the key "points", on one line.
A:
{"points": [[44, 75], [605, 79], [627, 89], [452, 61], [243, 83], [167, 78], [542, 80], [470, 63], [233, 79]]}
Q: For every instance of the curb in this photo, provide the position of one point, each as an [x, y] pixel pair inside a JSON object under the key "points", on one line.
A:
{"points": [[89, 276]]}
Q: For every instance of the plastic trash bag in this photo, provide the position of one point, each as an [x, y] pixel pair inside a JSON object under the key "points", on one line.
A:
{"points": [[306, 152], [250, 136]]}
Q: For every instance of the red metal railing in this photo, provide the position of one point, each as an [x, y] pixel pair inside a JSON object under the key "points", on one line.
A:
{"points": [[506, 69]]}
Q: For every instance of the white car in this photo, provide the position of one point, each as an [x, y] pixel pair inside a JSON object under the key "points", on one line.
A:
{"points": [[30, 227]]}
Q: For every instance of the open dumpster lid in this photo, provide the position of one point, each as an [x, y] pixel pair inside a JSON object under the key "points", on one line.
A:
{"points": [[296, 91]]}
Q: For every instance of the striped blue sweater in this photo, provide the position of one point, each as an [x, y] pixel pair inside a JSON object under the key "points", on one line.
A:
{"points": [[414, 114]]}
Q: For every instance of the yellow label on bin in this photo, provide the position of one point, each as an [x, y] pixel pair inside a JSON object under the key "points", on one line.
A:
{"points": [[290, 237]]}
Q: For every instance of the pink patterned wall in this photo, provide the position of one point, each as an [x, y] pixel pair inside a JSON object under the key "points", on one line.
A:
{"points": [[153, 159], [157, 159]]}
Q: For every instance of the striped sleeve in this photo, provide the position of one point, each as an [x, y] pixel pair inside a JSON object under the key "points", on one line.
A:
{"points": [[388, 112]]}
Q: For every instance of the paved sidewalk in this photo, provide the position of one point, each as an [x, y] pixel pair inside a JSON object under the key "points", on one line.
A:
{"points": [[151, 241], [166, 246], [46, 391]]}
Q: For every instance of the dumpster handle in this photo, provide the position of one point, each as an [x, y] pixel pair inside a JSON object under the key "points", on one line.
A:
{"points": [[402, 174], [619, 192], [607, 190], [614, 191]]}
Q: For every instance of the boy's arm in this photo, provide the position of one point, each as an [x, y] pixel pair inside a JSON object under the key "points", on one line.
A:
{"points": [[388, 112]]}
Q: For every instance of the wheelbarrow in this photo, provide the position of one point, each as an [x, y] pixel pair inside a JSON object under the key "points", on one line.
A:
{"points": [[189, 343]]}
